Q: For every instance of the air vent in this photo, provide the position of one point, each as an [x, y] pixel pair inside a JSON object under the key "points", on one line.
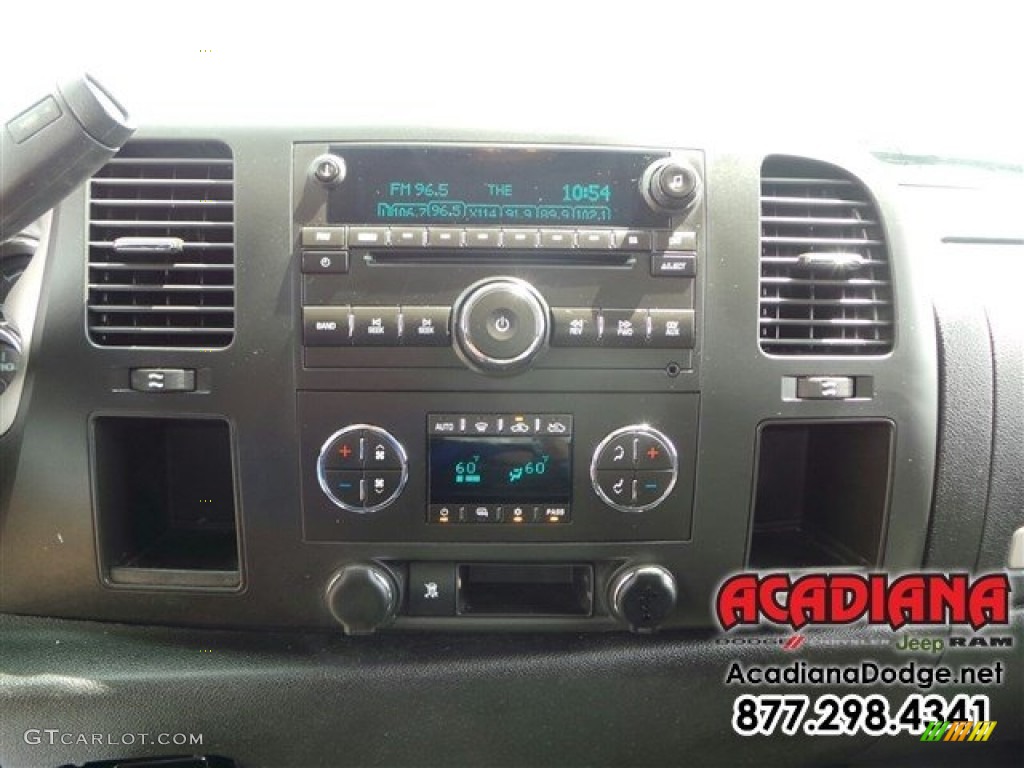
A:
{"points": [[825, 283], [161, 246]]}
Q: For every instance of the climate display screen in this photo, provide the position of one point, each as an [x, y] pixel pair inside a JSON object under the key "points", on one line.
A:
{"points": [[503, 186], [526, 470]]}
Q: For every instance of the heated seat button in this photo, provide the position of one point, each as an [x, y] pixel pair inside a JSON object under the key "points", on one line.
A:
{"points": [[652, 487], [381, 486], [616, 487], [375, 326], [431, 589], [425, 326], [345, 452], [346, 486], [380, 452], [619, 453]]}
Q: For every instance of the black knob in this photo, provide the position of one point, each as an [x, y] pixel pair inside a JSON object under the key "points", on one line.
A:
{"points": [[363, 597], [642, 596], [329, 170], [670, 186], [501, 325], [10, 356]]}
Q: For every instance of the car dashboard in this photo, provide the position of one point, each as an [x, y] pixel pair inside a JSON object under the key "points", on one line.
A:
{"points": [[435, 446]]}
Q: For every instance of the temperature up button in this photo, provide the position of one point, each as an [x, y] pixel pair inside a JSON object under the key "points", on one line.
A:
{"points": [[634, 468]]}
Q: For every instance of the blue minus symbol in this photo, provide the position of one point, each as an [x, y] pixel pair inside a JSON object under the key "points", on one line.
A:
{"points": [[651, 486], [345, 485]]}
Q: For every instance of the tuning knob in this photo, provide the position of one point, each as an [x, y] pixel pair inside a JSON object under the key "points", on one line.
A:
{"points": [[363, 597], [642, 596], [670, 185], [501, 325]]}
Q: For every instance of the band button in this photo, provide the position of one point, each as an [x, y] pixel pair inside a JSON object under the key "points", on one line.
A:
{"points": [[325, 326]]}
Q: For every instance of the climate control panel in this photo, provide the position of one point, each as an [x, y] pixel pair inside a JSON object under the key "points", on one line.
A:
{"points": [[449, 466]]}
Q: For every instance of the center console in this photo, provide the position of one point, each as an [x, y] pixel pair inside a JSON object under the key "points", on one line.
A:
{"points": [[463, 380], [481, 284]]}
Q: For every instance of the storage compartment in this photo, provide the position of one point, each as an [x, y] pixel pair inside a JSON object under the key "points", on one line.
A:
{"points": [[525, 589], [165, 502], [822, 494]]}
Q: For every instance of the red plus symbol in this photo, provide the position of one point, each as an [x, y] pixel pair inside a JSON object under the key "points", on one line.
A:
{"points": [[652, 453], [345, 451]]}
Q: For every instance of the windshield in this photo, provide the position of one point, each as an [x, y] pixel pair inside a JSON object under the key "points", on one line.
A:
{"points": [[907, 81]]}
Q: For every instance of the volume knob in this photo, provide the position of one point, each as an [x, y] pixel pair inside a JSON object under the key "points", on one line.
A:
{"points": [[501, 325]]}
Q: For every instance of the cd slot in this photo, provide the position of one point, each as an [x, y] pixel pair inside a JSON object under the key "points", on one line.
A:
{"points": [[539, 258]]}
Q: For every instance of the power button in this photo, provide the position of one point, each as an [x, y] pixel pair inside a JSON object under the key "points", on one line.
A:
{"points": [[501, 325]]}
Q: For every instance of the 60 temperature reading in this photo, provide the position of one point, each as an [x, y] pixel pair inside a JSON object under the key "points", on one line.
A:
{"points": [[529, 468]]}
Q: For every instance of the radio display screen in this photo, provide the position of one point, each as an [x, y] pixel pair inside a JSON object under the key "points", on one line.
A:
{"points": [[500, 470], [483, 185]]}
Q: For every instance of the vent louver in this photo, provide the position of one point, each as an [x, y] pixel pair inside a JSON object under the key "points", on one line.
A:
{"points": [[825, 280], [161, 246]]}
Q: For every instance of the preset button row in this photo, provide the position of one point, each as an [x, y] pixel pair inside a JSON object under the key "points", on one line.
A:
{"points": [[513, 238]]}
